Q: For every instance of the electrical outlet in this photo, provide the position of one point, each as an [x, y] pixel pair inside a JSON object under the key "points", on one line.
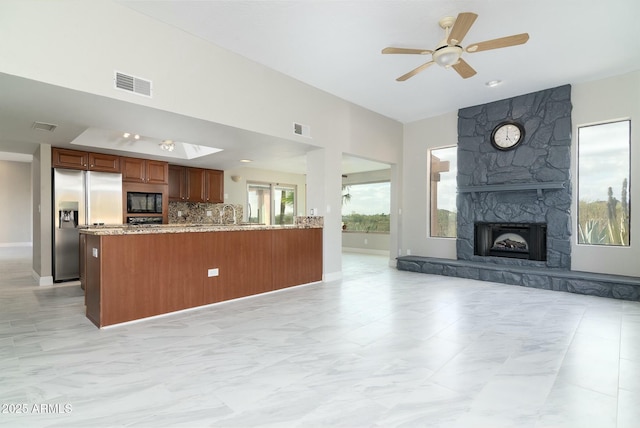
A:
{"points": [[94, 252], [408, 252], [213, 272], [209, 213], [366, 241], [179, 213]]}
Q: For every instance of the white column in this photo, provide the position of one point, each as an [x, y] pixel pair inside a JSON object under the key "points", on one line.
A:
{"points": [[324, 198]]}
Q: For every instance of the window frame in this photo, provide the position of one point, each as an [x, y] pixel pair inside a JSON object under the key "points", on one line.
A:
{"points": [[628, 188], [432, 194]]}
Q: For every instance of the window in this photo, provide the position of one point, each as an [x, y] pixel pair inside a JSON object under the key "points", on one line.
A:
{"points": [[270, 203], [366, 207], [442, 185], [604, 153]]}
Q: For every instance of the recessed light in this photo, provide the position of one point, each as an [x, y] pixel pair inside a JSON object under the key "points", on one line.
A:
{"points": [[493, 83], [245, 160]]}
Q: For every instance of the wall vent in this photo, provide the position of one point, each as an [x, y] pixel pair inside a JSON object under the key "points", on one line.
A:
{"points": [[41, 126], [303, 130], [129, 83]]}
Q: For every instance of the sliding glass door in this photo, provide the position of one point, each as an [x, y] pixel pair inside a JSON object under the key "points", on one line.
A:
{"points": [[271, 203]]}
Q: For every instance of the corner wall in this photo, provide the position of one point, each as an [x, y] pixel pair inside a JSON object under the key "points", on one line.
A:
{"points": [[15, 198], [601, 101]]}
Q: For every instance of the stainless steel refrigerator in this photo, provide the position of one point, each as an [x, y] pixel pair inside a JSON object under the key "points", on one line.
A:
{"points": [[80, 198]]}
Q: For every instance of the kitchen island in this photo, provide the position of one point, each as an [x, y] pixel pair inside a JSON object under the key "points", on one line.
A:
{"points": [[135, 272]]}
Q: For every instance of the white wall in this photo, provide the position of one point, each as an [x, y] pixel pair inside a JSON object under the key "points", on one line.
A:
{"points": [[42, 224], [236, 191], [364, 242], [419, 137], [600, 101], [79, 45], [15, 200]]}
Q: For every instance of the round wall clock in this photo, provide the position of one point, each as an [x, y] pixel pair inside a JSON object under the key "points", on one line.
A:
{"points": [[507, 135]]}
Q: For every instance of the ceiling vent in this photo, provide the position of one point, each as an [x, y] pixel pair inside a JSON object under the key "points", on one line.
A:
{"points": [[303, 130], [41, 126], [133, 84]]}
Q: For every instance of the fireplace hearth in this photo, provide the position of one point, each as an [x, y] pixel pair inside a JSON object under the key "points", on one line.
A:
{"points": [[514, 240]]}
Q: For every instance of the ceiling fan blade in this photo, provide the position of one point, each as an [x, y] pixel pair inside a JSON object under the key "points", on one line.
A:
{"points": [[406, 51], [414, 72], [503, 42], [463, 23], [464, 69]]}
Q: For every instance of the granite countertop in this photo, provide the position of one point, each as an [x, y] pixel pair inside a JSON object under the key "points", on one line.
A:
{"points": [[125, 229]]}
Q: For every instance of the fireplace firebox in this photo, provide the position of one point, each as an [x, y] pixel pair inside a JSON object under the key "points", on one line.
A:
{"points": [[514, 240]]}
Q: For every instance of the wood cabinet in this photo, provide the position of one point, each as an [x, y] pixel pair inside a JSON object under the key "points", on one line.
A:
{"points": [[136, 276], [297, 257], [213, 186], [72, 159], [249, 267], [177, 183], [75, 159], [195, 184], [104, 163], [138, 170]]}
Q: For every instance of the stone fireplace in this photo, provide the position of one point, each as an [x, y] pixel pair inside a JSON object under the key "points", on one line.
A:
{"points": [[519, 188]]}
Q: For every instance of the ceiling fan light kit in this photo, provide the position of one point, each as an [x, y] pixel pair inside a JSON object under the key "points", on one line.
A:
{"points": [[448, 54]]}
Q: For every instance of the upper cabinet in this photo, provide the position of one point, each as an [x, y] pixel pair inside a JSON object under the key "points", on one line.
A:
{"points": [[104, 163], [177, 183], [137, 170], [214, 186], [195, 184], [75, 159]]}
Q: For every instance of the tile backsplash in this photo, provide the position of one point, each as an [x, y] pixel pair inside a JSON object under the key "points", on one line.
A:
{"points": [[193, 212]]}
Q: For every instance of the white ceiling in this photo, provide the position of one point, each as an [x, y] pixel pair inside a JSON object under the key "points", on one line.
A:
{"points": [[335, 46]]}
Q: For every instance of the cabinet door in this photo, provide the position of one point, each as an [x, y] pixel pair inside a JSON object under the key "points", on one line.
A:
{"points": [[177, 183], [133, 169], [195, 185], [297, 255], [65, 158], [248, 263], [157, 172], [214, 186], [104, 163]]}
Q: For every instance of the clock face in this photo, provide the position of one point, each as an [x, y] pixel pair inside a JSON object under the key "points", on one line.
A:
{"points": [[507, 135]]}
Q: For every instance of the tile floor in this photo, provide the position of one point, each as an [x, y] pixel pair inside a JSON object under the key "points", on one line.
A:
{"points": [[380, 348]]}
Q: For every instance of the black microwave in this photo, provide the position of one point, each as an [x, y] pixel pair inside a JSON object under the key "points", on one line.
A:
{"points": [[140, 202]]}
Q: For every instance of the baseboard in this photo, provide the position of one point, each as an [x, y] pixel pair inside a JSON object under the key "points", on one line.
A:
{"points": [[333, 276], [42, 280], [365, 251]]}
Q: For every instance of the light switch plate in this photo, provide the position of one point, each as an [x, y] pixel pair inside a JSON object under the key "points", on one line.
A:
{"points": [[94, 252]]}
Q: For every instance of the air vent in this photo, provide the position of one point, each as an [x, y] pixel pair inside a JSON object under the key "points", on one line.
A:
{"points": [[303, 130], [41, 126], [133, 84]]}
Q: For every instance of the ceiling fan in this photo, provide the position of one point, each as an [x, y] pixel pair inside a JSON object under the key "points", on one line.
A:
{"points": [[448, 53]]}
